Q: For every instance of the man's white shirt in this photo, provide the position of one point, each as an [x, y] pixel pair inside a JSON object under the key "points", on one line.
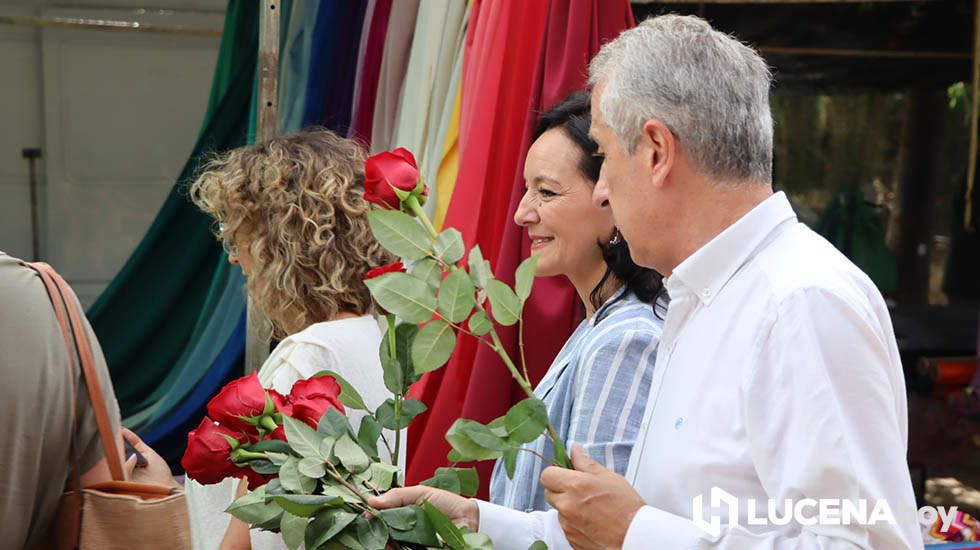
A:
{"points": [[778, 377]]}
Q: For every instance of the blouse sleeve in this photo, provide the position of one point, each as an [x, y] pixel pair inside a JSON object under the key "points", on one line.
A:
{"points": [[611, 387], [301, 361]]}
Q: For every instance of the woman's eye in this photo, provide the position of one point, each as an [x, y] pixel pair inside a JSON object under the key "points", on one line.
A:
{"points": [[546, 193]]}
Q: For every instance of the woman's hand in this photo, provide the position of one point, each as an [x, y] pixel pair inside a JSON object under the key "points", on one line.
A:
{"points": [[156, 469], [460, 510]]}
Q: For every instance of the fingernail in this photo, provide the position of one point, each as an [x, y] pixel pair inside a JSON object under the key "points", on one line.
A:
{"points": [[131, 457]]}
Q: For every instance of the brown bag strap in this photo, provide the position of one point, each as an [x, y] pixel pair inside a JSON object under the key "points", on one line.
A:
{"points": [[57, 287]]}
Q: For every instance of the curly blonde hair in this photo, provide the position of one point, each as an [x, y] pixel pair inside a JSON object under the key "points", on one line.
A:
{"points": [[296, 202]]}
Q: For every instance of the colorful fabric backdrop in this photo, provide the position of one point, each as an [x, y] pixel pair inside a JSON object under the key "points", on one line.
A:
{"points": [[459, 83]]}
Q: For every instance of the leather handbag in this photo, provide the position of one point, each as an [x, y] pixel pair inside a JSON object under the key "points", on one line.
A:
{"points": [[115, 514]]}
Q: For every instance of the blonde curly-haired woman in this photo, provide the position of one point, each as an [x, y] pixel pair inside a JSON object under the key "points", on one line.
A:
{"points": [[291, 212]]}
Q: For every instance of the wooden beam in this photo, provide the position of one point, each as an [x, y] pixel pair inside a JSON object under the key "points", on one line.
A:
{"points": [[258, 331], [106, 25], [837, 52], [776, 1]]}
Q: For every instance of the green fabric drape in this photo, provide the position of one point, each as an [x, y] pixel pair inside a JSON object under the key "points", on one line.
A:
{"points": [[169, 288], [852, 225]]}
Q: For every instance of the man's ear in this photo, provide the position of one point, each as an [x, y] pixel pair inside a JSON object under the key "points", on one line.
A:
{"points": [[659, 146]]}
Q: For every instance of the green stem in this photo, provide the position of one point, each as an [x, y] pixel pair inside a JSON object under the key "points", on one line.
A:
{"points": [[560, 456], [268, 423], [498, 347], [393, 353], [241, 455], [416, 208]]}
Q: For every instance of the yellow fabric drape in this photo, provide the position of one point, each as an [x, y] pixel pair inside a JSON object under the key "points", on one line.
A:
{"points": [[449, 166]]}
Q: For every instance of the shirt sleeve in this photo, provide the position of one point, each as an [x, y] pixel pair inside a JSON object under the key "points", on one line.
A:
{"points": [[514, 530], [611, 388], [824, 415]]}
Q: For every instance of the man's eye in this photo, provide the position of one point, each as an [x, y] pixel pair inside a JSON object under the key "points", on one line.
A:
{"points": [[546, 193]]}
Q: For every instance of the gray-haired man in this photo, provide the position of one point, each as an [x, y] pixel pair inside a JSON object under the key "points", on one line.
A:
{"points": [[778, 388]]}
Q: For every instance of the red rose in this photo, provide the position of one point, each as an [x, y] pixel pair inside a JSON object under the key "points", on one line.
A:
{"points": [[312, 397], [387, 170], [281, 402], [279, 433], [381, 270], [244, 397], [207, 459]]}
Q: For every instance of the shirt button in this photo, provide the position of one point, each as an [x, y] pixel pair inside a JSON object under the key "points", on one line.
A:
{"points": [[706, 293]]}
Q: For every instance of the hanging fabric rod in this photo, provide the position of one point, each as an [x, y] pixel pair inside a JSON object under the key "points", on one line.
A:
{"points": [[106, 25]]}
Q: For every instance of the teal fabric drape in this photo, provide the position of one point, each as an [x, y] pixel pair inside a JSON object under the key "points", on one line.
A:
{"points": [[158, 306]]}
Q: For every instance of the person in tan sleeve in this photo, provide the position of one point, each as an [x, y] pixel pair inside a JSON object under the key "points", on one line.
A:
{"points": [[37, 390]]}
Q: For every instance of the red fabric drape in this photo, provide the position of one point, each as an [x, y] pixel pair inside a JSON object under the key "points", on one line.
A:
{"points": [[369, 72], [520, 62]]}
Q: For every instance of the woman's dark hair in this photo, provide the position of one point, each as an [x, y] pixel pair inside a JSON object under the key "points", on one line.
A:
{"points": [[572, 116]]}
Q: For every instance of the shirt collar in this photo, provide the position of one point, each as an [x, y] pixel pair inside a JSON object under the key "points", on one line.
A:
{"points": [[706, 272]]}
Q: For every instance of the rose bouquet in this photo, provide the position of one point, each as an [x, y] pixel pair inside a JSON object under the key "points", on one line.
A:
{"points": [[310, 473]]}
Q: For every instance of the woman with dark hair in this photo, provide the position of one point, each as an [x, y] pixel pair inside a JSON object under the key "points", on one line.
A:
{"points": [[596, 388]]}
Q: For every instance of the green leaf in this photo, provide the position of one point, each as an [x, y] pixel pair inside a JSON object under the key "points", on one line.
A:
{"points": [[399, 233], [479, 268], [402, 519], [510, 462], [304, 506], [459, 437], [341, 492], [348, 395], [506, 306], [449, 246], [421, 532], [326, 525], [450, 533], [538, 545], [524, 277], [302, 438], [292, 480], [427, 270], [351, 455], [410, 409], [312, 467], [371, 533], [402, 294], [379, 475], [293, 529], [462, 481], [477, 541], [368, 434], [252, 507], [456, 296], [526, 421], [334, 424], [326, 448], [433, 346], [394, 376], [262, 466], [274, 445], [485, 437], [405, 334], [277, 458], [480, 323]]}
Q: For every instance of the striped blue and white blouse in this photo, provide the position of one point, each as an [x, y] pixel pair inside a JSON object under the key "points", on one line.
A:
{"points": [[595, 392]]}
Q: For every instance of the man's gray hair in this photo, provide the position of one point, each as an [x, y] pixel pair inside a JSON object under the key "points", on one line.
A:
{"points": [[711, 90]]}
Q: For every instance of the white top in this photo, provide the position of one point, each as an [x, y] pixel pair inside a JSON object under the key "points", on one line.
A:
{"points": [[778, 378], [348, 347]]}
